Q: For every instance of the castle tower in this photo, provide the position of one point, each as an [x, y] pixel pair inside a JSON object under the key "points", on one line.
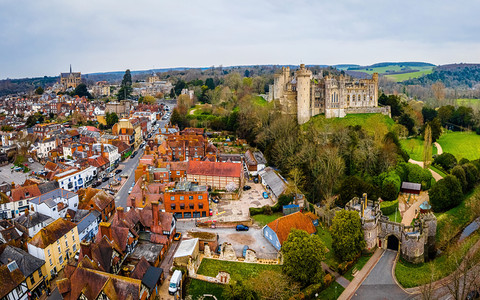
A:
{"points": [[430, 227], [375, 80], [304, 78], [280, 81]]}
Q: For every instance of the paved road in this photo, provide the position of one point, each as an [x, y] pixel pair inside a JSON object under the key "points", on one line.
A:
{"points": [[380, 283]]}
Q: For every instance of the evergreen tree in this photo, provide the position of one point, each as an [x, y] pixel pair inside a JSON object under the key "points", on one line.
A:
{"points": [[126, 89], [427, 147]]}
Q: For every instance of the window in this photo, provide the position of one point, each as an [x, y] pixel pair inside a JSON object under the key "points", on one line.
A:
{"points": [[20, 203], [200, 205], [73, 237], [181, 197], [191, 206], [40, 272], [31, 280], [200, 197], [172, 206], [48, 252], [178, 172], [74, 248], [190, 197], [204, 214], [182, 206], [172, 198], [50, 261], [66, 244], [60, 259], [59, 249]]}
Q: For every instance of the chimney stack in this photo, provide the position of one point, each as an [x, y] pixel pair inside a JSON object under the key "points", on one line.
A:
{"points": [[106, 230], [155, 213], [85, 249], [120, 212]]}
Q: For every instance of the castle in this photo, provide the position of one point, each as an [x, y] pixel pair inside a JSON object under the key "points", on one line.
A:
{"points": [[416, 243], [70, 80], [306, 95]]}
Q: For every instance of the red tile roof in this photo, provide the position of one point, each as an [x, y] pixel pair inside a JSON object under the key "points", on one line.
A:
{"points": [[220, 169], [282, 226], [51, 233], [9, 280], [25, 192]]}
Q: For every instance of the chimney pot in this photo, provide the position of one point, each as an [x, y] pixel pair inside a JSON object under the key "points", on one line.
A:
{"points": [[106, 230]]}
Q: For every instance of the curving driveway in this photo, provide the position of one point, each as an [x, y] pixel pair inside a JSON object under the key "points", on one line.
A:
{"points": [[380, 284]]}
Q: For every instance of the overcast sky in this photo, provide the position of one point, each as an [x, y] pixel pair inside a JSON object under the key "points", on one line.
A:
{"points": [[43, 37]]}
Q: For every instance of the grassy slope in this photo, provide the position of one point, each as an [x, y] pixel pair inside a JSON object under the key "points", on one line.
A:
{"points": [[398, 77], [411, 75], [368, 121], [258, 100], [414, 148], [461, 144], [263, 220]]}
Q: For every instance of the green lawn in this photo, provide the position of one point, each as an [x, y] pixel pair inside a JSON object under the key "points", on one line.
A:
{"points": [[238, 270], [263, 220], [461, 144], [395, 217], [326, 237], [332, 292], [422, 70], [414, 148], [358, 265], [370, 122], [198, 288], [258, 100], [474, 103]]}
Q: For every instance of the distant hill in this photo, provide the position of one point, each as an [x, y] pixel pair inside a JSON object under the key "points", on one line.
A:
{"points": [[452, 75], [397, 71]]}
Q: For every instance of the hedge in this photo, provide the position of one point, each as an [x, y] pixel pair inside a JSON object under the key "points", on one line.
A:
{"points": [[261, 210], [388, 207]]}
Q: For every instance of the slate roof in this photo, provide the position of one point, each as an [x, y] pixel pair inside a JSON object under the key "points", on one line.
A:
{"points": [[273, 180], [219, 169], [283, 225], [411, 186], [151, 277], [58, 193], [48, 186], [26, 262], [87, 220], [32, 219]]}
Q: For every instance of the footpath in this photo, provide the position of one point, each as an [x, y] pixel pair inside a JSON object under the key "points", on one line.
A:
{"points": [[361, 275]]}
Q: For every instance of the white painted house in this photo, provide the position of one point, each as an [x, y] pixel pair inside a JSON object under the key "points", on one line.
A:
{"points": [[55, 203], [75, 179]]}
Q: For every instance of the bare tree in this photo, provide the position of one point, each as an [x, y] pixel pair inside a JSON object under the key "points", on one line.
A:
{"points": [[271, 285], [465, 274], [427, 289], [295, 181], [427, 147], [438, 89]]}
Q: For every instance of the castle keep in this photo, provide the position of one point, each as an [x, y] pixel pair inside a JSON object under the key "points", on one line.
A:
{"points": [[306, 95], [416, 243]]}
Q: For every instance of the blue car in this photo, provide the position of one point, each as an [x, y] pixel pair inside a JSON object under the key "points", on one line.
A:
{"points": [[265, 195], [241, 228]]}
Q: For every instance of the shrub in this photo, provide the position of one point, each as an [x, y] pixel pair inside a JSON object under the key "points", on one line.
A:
{"points": [[310, 291], [459, 172], [285, 200], [388, 207], [471, 174], [446, 160], [446, 193], [255, 211], [391, 186], [268, 211], [419, 175]]}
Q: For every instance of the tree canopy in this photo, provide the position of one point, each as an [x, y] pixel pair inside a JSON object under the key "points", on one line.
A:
{"points": [[82, 91], [111, 119], [347, 235], [446, 193], [302, 257], [126, 89]]}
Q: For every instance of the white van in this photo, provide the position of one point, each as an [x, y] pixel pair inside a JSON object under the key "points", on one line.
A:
{"points": [[175, 282]]}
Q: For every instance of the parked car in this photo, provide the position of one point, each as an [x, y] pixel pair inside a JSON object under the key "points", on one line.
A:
{"points": [[473, 295], [255, 179], [111, 192], [215, 199], [246, 187], [241, 227], [96, 183], [118, 171], [265, 195], [244, 252], [177, 236], [130, 190], [211, 212], [30, 160], [104, 179]]}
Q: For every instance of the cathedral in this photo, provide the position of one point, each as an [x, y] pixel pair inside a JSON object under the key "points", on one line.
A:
{"points": [[306, 95], [70, 80]]}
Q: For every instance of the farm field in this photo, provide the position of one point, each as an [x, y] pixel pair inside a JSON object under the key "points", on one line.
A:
{"points": [[474, 103], [417, 71], [461, 144], [411, 75]]}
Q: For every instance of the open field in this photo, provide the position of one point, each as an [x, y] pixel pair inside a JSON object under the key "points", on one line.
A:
{"points": [[414, 148], [198, 288], [473, 103], [326, 237], [461, 144], [238, 270], [369, 122], [411, 75]]}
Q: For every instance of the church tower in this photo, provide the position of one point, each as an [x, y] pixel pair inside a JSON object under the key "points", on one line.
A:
{"points": [[304, 77]]}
